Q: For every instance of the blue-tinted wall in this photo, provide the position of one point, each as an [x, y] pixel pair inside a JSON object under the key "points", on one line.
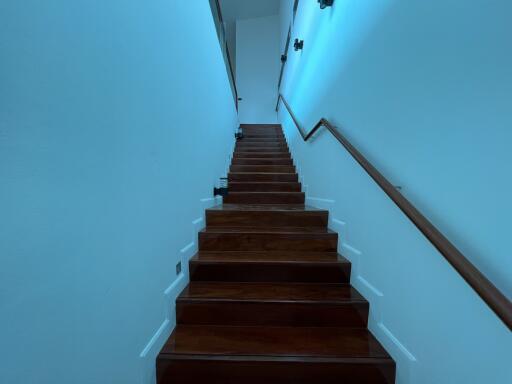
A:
{"points": [[116, 120], [257, 63], [424, 90]]}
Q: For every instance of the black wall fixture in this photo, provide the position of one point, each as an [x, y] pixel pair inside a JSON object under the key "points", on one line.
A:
{"points": [[239, 135], [223, 188], [298, 44], [325, 3]]}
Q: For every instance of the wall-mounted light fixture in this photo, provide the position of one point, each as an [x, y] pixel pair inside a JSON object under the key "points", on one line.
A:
{"points": [[298, 44], [325, 3]]}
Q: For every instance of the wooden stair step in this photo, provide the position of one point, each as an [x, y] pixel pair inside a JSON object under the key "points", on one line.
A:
{"points": [[277, 304], [262, 176], [277, 342], [286, 238], [250, 144], [303, 355], [235, 186], [268, 266], [263, 140], [262, 161], [264, 137], [264, 198], [231, 215], [260, 134], [263, 168], [258, 155], [262, 149]]}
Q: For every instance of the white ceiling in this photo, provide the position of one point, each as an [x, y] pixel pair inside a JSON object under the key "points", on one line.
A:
{"points": [[246, 9]]}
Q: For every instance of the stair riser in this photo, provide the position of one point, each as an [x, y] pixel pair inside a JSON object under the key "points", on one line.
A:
{"points": [[262, 132], [259, 133], [272, 144], [264, 141], [275, 148], [265, 219], [264, 155], [268, 242], [264, 198], [270, 272], [301, 371], [287, 162], [353, 315], [263, 187], [262, 149], [255, 177], [263, 168]]}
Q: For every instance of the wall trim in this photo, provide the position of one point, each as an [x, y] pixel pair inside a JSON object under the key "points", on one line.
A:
{"points": [[174, 284], [154, 338], [350, 248], [397, 343], [370, 286], [320, 199], [187, 247]]}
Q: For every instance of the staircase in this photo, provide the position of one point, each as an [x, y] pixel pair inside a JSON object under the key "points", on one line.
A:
{"points": [[269, 299]]}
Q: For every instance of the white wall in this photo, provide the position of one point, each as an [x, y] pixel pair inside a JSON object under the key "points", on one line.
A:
{"points": [[116, 120], [424, 90], [257, 63]]}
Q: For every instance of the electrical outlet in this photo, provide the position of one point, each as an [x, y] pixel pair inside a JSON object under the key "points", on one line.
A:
{"points": [[178, 268]]}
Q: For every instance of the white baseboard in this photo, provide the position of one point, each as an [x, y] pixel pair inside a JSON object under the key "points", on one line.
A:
{"points": [[405, 360], [150, 351]]}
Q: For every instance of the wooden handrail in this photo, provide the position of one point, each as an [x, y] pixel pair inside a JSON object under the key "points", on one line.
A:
{"points": [[491, 295]]}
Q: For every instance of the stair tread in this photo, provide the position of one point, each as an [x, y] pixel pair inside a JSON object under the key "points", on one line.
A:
{"points": [[265, 207], [274, 342], [270, 230], [269, 256], [271, 292], [268, 193], [262, 173], [259, 153]]}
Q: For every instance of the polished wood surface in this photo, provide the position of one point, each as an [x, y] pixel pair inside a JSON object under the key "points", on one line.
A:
{"points": [[250, 215], [269, 299], [489, 293], [267, 186]]}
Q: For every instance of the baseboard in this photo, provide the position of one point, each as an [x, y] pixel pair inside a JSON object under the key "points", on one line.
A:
{"points": [[150, 351], [405, 360]]}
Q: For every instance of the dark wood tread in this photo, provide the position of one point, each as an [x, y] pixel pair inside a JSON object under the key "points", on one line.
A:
{"points": [[262, 176], [265, 198], [270, 257], [270, 230], [279, 140], [271, 304], [271, 292], [263, 155], [263, 168], [262, 150], [270, 266], [261, 161], [266, 207], [265, 186], [266, 215], [274, 342]]}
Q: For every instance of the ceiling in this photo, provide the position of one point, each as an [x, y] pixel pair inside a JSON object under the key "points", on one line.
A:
{"points": [[246, 9]]}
